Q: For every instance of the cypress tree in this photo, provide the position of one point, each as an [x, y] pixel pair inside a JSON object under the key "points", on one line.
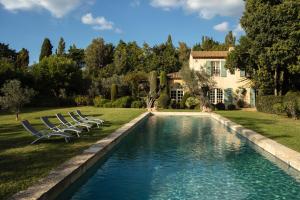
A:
{"points": [[46, 49], [163, 82], [114, 92], [153, 83], [61, 47]]}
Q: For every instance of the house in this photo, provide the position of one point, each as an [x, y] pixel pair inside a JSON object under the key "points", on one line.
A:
{"points": [[229, 88]]}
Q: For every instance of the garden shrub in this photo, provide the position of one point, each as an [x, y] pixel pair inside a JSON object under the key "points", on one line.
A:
{"points": [[138, 104], [81, 100], [99, 102], [123, 102], [220, 106], [290, 103], [279, 108], [184, 98], [192, 102], [174, 104], [231, 107], [108, 105], [240, 103], [163, 101]]}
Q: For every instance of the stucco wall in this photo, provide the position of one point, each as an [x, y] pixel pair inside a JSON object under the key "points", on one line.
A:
{"points": [[233, 81]]}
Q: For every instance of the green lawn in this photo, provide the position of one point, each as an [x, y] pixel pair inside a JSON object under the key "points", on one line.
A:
{"points": [[22, 164], [279, 128]]}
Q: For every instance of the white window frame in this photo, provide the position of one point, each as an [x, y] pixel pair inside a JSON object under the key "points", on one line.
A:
{"points": [[216, 68], [178, 96], [215, 96]]}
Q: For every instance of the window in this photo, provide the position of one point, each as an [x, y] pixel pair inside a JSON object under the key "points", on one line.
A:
{"points": [[216, 96], [219, 95], [176, 94], [215, 68], [173, 94], [179, 95]]}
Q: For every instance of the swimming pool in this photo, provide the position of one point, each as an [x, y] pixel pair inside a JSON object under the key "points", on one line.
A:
{"points": [[184, 157]]}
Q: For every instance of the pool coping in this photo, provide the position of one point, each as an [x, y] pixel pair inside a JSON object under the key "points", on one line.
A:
{"points": [[67, 173], [279, 151]]}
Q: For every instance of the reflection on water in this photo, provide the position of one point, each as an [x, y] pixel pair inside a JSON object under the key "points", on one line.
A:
{"points": [[187, 158]]}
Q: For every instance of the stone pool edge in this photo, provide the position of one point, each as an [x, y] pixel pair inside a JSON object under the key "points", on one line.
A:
{"points": [[279, 151], [67, 173]]}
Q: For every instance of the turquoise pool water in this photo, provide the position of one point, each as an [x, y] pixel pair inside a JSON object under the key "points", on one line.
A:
{"points": [[185, 158]]}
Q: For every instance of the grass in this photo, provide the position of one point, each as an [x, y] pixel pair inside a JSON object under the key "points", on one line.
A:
{"points": [[22, 164], [284, 130]]}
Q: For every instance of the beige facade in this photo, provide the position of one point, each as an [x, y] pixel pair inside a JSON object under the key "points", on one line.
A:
{"points": [[229, 86]]}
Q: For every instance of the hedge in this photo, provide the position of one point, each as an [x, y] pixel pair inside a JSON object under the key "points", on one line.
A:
{"points": [[288, 104], [265, 103]]}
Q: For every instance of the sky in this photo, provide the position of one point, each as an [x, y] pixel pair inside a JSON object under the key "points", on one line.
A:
{"points": [[25, 23]]}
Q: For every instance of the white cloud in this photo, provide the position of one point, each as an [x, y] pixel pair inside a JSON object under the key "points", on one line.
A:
{"points": [[58, 8], [238, 29], [99, 23], [206, 9], [222, 27]]}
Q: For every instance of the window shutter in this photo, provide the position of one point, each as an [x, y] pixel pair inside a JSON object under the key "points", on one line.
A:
{"points": [[208, 68], [242, 73], [223, 69], [252, 97], [228, 96]]}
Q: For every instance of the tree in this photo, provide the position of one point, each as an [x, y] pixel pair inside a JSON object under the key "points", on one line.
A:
{"points": [[153, 93], [120, 58], [7, 53], [209, 44], [272, 45], [22, 59], [230, 39], [55, 73], [76, 55], [61, 50], [163, 82], [46, 49], [113, 92], [137, 82], [199, 83], [14, 96], [97, 56], [184, 53]]}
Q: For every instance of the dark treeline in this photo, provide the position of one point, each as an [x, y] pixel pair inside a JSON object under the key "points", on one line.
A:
{"points": [[62, 74]]}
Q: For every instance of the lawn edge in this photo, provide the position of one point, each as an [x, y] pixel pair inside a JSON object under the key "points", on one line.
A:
{"points": [[67, 173], [279, 151]]}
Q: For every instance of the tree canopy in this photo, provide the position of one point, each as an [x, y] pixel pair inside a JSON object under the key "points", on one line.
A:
{"points": [[270, 50]]}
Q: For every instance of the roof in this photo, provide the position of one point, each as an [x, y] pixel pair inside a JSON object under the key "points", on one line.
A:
{"points": [[174, 75], [209, 54]]}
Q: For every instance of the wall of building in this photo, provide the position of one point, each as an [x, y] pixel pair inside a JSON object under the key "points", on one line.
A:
{"points": [[233, 81]]}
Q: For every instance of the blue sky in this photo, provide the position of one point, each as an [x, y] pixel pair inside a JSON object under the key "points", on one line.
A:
{"points": [[25, 23]]}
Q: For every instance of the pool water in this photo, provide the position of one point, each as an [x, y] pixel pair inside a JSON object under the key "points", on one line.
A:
{"points": [[183, 157]]}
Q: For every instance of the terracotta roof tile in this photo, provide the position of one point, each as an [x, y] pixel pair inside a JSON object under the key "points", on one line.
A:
{"points": [[175, 75], [209, 54]]}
